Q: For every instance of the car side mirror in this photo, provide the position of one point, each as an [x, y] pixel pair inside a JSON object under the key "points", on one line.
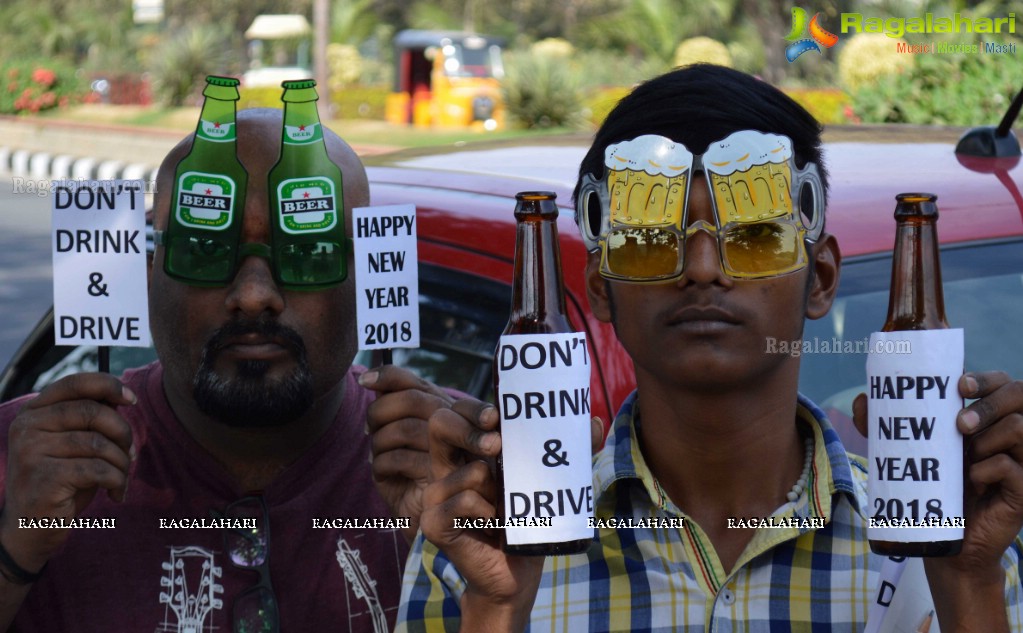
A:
{"points": [[994, 142]]}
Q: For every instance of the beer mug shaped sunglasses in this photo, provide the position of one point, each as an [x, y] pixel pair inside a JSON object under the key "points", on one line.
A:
{"points": [[764, 208]]}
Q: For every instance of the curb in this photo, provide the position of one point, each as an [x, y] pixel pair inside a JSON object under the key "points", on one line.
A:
{"points": [[48, 166]]}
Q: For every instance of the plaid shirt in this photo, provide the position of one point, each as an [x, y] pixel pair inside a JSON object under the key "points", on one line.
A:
{"points": [[670, 579]]}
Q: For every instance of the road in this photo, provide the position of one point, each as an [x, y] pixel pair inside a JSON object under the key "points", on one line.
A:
{"points": [[26, 267]]}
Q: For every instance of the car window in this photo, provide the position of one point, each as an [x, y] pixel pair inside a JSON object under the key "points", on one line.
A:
{"points": [[983, 288], [461, 318]]}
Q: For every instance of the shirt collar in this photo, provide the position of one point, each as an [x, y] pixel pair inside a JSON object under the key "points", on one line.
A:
{"points": [[622, 459]]}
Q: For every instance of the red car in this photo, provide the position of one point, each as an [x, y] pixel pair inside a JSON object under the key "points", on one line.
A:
{"points": [[465, 198]]}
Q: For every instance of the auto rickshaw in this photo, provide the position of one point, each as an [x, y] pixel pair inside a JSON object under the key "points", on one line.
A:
{"points": [[446, 79]]}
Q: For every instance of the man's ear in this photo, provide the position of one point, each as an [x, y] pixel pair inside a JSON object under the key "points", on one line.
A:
{"points": [[827, 264], [597, 288]]}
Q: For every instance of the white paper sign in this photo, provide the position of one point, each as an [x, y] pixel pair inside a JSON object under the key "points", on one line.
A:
{"points": [[544, 400], [902, 606], [915, 451], [387, 276], [99, 263]]}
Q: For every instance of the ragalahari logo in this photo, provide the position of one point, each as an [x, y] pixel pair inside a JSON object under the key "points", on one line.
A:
{"points": [[800, 44]]}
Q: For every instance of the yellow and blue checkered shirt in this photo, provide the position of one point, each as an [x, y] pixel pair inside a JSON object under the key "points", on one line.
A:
{"points": [[670, 579]]}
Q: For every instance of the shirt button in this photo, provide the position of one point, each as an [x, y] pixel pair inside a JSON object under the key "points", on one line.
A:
{"points": [[728, 597]]}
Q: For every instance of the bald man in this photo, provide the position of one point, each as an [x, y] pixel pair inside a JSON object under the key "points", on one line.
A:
{"points": [[229, 467]]}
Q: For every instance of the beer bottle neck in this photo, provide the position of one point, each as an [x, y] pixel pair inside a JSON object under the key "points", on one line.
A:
{"points": [[916, 301], [302, 128], [216, 130], [217, 111], [537, 293]]}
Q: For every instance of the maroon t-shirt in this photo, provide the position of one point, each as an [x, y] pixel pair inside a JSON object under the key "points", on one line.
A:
{"points": [[141, 577]]}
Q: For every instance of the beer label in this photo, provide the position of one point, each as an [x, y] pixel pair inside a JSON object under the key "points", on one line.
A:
{"points": [[302, 134], [915, 451], [204, 201], [215, 131], [544, 400], [307, 205]]}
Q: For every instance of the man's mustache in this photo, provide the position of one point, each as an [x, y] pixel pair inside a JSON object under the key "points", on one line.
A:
{"points": [[264, 328]]}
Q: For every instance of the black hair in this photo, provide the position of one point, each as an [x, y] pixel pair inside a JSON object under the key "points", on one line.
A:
{"points": [[696, 105]]}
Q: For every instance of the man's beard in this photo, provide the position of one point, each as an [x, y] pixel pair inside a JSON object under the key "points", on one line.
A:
{"points": [[250, 399]]}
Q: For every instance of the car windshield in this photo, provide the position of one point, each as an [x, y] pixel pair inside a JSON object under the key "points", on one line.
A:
{"points": [[983, 288]]}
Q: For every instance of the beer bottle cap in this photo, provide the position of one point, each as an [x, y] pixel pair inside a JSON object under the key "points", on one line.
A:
{"points": [[299, 84], [536, 195], [924, 204], [227, 82], [535, 203]]}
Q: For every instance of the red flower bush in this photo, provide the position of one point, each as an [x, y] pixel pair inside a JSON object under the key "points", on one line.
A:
{"points": [[44, 77], [35, 85]]}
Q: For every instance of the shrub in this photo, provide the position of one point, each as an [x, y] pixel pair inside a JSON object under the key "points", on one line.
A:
{"points": [[595, 69], [259, 97], [868, 57], [183, 61], [344, 65], [599, 103], [829, 106], [962, 89], [702, 49], [552, 47], [541, 91], [30, 86], [360, 102]]}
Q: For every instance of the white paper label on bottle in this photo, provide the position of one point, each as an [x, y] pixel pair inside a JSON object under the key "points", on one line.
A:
{"points": [[544, 400], [915, 451]]}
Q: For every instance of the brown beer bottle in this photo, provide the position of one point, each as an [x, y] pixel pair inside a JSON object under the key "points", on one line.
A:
{"points": [[916, 302], [537, 307]]}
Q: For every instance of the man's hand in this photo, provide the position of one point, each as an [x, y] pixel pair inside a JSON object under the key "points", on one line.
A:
{"points": [[500, 588], [397, 420], [971, 585], [65, 444]]}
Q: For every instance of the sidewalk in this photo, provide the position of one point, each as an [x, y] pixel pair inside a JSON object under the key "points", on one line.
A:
{"points": [[50, 149], [46, 149]]}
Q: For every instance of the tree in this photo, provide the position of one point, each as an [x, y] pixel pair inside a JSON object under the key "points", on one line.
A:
{"points": [[74, 30], [352, 21]]}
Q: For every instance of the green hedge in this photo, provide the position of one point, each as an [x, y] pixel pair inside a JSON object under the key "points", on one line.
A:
{"points": [[351, 103], [265, 97], [360, 102], [944, 89]]}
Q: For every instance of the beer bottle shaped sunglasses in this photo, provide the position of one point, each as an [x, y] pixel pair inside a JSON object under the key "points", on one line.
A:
{"points": [[308, 249], [764, 208]]}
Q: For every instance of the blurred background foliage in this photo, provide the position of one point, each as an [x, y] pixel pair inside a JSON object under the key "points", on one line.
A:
{"points": [[567, 61]]}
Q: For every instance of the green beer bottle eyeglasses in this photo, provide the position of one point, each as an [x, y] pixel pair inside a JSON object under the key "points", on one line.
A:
{"points": [[201, 258]]}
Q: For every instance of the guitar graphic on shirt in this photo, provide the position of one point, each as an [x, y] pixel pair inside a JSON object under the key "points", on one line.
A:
{"points": [[364, 587], [189, 603]]}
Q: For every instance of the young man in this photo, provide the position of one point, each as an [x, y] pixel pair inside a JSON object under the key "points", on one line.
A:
{"points": [[253, 414], [715, 429]]}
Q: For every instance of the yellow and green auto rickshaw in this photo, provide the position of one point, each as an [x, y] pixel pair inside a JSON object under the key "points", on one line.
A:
{"points": [[446, 79]]}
